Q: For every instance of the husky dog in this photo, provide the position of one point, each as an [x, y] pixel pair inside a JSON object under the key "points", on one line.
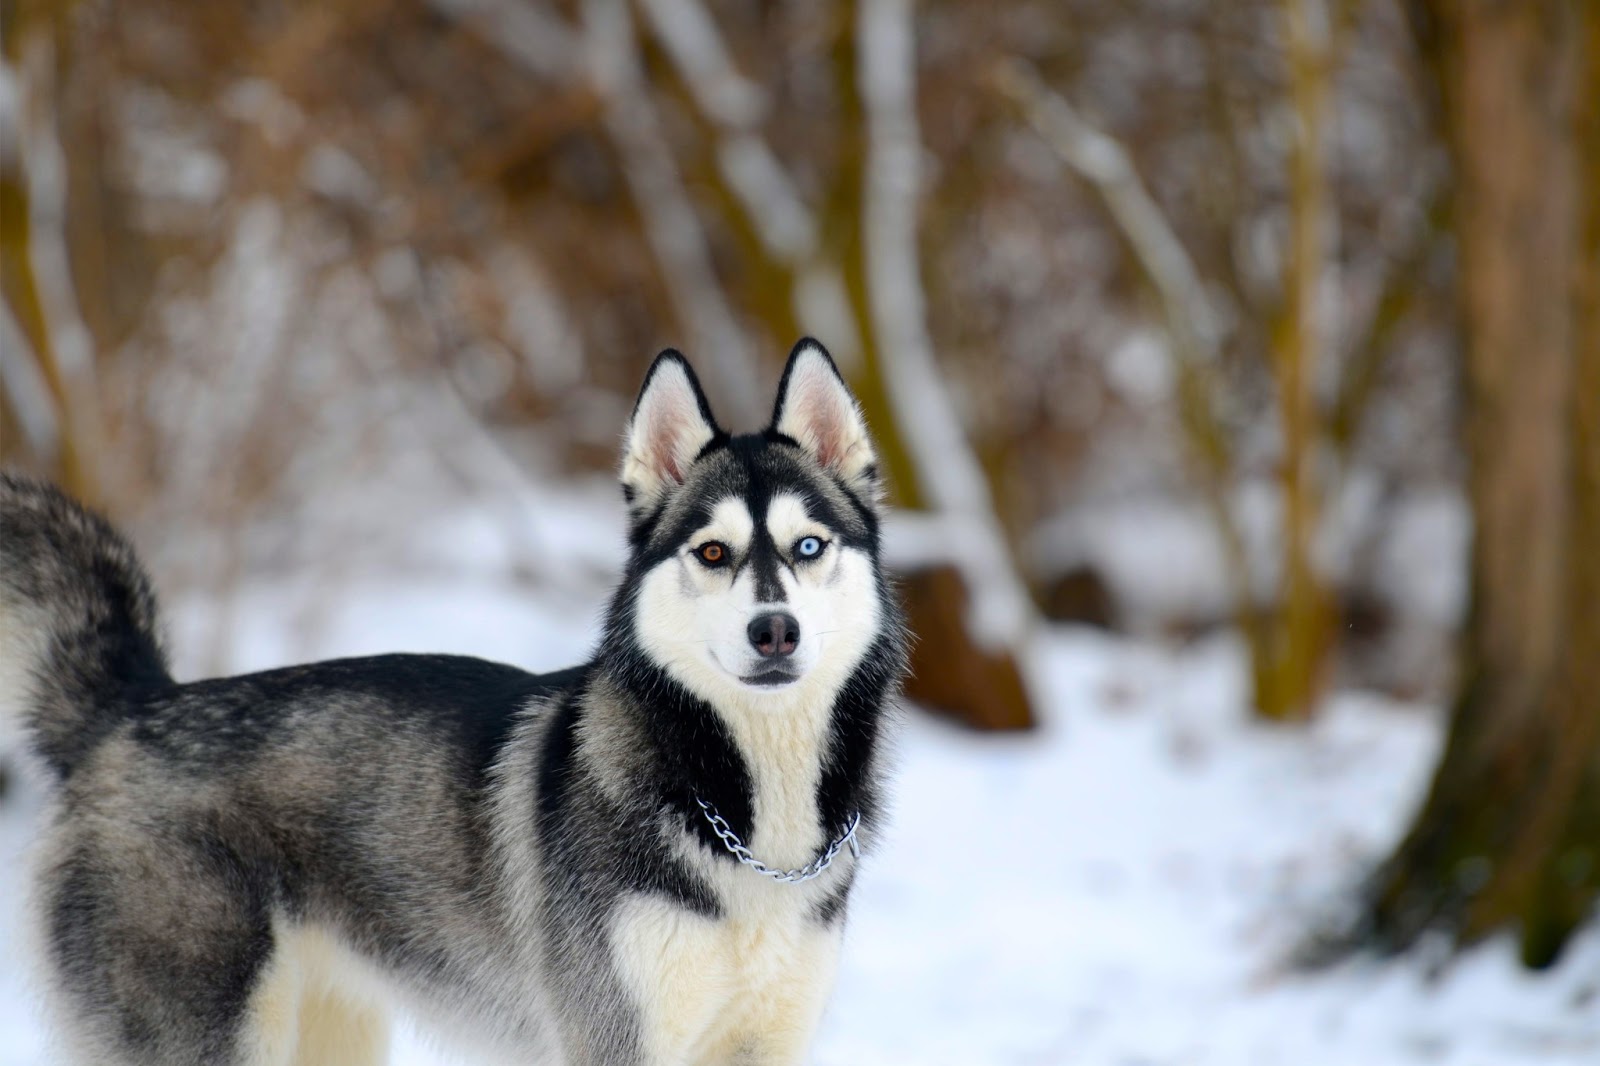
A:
{"points": [[641, 860]]}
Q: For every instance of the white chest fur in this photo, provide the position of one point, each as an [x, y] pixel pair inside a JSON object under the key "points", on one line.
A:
{"points": [[753, 983], [783, 753]]}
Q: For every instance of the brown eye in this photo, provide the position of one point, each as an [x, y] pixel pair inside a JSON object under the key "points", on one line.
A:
{"points": [[712, 553]]}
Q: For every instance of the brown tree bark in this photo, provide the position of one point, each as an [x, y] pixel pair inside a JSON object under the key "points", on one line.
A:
{"points": [[21, 286], [1290, 659], [1509, 836]]}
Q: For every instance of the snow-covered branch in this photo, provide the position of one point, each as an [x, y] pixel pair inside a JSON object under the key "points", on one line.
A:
{"points": [[1101, 161], [736, 106], [534, 39], [759, 182], [948, 472], [695, 44], [25, 389], [670, 220]]}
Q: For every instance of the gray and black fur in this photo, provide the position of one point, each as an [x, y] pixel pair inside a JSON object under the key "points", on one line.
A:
{"points": [[456, 834]]}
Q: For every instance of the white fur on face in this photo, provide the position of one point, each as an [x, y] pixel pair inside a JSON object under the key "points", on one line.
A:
{"points": [[694, 619]]}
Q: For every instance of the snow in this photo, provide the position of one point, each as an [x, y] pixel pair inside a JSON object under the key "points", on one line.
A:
{"points": [[1116, 890], [1122, 890]]}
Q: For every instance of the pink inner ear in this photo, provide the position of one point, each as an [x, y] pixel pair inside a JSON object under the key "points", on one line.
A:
{"points": [[672, 419], [661, 449], [820, 413], [669, 465]]}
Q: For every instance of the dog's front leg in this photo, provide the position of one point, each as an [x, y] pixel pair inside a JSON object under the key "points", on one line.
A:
{"points": [[675, 965], [779, 1014]]}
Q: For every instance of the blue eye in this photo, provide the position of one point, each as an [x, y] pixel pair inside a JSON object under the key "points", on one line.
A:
{"points": [[808, 547]]}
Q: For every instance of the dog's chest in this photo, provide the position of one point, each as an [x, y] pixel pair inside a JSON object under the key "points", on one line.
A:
{"points": [[707, 986]]}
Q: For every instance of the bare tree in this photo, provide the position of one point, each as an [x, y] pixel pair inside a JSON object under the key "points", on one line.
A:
{"points": [[1510, 832]]}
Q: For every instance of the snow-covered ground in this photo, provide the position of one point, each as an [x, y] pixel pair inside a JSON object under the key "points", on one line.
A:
{"points": [[1117, 890]]}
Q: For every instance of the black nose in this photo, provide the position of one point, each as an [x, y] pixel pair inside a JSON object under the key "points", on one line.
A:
{"points": [[775, 635]]}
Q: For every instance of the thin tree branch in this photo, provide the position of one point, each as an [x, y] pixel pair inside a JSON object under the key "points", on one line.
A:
{"points": [[23, 389], [1191, 323], [1369, 342], [1101, 161], [65, 346], [670, 220], [605, 53], [531, 37], [725, 97]]}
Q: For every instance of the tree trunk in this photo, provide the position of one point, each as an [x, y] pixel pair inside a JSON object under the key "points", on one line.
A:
{"points": [[1289, 658], [1509, 837], [23, 286]]}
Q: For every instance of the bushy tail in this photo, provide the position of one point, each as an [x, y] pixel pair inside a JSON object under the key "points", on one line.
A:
{"points": [[78, 636]]}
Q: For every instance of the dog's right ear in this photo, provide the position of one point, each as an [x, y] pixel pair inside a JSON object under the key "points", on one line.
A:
{"points": [[670, 425]]}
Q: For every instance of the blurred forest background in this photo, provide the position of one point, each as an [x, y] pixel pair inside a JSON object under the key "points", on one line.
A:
{"points": [[1171, 316]]}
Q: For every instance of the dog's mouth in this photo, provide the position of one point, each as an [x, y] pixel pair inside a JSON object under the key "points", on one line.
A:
{"points": [[770, 678]]}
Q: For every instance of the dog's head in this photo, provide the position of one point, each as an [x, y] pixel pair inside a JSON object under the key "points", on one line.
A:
{"points": [[754, 575]]}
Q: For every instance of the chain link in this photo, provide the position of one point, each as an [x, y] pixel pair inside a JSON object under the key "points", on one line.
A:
{"points": [[731, 841]]}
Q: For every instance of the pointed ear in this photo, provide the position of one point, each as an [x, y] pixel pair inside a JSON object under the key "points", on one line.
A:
{"points": [[815, 408], [671, 423]]}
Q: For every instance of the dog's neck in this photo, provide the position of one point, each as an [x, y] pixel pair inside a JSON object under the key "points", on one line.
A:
{"points": [[782, 738], [787, 774]]}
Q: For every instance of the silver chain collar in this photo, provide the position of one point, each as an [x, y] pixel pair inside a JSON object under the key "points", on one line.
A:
{"points": [[736, 847]]}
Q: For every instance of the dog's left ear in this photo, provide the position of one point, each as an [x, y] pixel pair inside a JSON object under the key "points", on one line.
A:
{"points": [[816, 410]]}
